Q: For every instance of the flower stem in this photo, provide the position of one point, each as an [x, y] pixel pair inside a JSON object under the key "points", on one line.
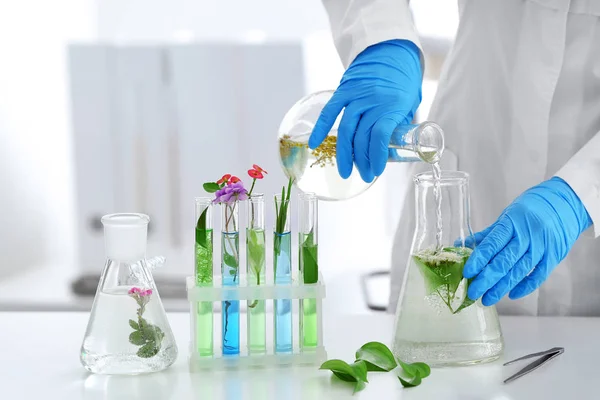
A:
{"points": [[251, 204], [231, 244], [252, 187]]}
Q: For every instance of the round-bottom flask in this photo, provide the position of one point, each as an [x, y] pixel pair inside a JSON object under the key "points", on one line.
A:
{"points": [[315, 171]]}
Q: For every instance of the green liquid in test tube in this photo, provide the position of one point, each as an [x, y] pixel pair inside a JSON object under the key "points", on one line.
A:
{"points": [[309, 267], [204, 275]]}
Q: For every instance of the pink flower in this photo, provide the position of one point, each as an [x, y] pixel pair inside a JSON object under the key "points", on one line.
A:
{"points": [[254, 174], [135, 290], [147, 292]]}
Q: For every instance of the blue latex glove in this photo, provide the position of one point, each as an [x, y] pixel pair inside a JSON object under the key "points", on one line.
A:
{"points": [[517, 253], [380, 90]]}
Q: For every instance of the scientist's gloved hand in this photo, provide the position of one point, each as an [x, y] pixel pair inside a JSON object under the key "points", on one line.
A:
{"points": [[380, 90], [517, 253]]}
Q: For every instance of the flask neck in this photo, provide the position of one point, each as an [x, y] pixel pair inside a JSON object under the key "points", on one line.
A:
{"points": [[451, 203], [125, 236], [412, 143]]}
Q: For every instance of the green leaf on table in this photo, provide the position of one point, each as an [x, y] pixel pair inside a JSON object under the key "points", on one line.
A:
{"points": [[411, 381], [360, 370], [137, 338], [134, 324], [415, 369], [148, 350], [377, 357], [344, 377], [360, 385], [355, 372], [211, 187], [341, 369]]}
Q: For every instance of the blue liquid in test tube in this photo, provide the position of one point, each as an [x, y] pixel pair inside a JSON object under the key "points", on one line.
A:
{"points": [[230, 309]]}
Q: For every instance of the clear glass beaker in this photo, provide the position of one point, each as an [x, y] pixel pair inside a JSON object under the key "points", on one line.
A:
{"points": [[128, 331], [315, 171], [436, 322]]}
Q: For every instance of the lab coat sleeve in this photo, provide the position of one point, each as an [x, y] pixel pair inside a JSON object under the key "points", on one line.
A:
{"points": [[358, 24], [582, 173]]}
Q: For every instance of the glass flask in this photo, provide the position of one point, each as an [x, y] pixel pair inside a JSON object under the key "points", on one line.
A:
{"points": [[315, 171], [128, 331], [436, 322]]}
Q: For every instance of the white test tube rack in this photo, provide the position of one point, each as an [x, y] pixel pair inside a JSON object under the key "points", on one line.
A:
{"points": [[268, 291]]}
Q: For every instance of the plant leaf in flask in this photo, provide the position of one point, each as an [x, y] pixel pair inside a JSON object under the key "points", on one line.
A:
{"points": [[128, 331], [315, 170]]}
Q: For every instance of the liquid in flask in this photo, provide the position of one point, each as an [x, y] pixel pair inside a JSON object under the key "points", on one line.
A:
{"points": [[128, 331]]}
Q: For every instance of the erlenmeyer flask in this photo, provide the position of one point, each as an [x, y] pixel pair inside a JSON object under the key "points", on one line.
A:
{"points": [[315, 171], [128, 331], [436, 322]]}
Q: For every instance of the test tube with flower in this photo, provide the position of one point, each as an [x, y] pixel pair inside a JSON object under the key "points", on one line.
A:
{"points": [[255, 264], [229, 191]]}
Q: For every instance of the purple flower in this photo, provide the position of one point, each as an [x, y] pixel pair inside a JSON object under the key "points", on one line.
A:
{"points": [[231, 193]]}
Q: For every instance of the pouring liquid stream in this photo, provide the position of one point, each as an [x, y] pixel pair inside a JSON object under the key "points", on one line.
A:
{"points": [[437, 192]]}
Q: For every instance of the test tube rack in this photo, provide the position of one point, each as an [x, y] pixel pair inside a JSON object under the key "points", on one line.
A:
{"points": [[295, 291]]}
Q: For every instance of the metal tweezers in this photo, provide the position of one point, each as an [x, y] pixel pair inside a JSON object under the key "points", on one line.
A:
{"points": [[545, 357]]}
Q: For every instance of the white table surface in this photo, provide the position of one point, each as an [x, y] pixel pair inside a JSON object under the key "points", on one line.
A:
{"points": [[39, 360]]}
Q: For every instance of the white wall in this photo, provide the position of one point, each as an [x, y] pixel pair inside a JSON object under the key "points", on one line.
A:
{"points": [[35, 191], [166, 19], [36, 199]]}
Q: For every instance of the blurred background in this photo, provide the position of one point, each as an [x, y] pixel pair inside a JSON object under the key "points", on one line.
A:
{"points": [[130, 105]]}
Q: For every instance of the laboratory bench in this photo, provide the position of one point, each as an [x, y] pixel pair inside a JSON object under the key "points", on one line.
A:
{"points": [[40, 359]]}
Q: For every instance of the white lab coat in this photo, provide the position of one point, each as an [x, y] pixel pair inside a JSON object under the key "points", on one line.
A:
{"points": [[519, 101]]}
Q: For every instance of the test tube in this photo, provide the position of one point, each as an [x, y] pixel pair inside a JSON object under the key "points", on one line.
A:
{"points": [[230, 262], [282, 264], [204, 274], [308, 265], [255, 271]]}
